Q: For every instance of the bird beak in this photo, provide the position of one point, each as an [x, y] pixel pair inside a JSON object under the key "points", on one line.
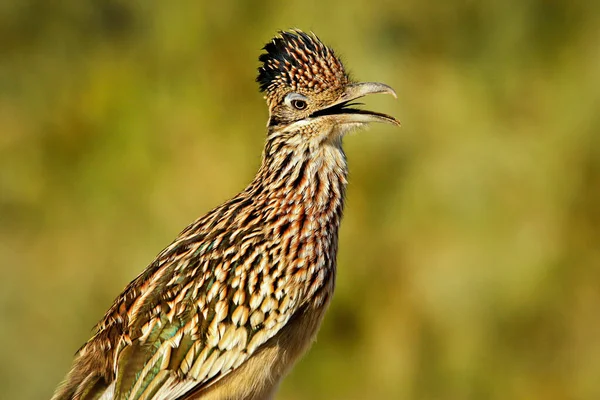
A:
{"points": [[344, 114]]}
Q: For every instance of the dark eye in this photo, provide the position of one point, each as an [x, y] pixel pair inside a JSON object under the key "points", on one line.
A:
{"points": [[299, 104]]}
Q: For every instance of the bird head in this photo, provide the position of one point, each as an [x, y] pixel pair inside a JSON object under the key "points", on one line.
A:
{"points": [[307, 87]]}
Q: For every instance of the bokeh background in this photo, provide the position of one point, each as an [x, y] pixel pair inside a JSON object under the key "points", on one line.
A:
{"points": [[469, 253]]}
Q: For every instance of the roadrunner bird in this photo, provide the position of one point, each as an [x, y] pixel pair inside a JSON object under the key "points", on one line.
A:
{"points": [[227, 308]]}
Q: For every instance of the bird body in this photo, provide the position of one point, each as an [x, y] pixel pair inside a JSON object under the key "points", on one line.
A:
{"points": [[229, 306]]}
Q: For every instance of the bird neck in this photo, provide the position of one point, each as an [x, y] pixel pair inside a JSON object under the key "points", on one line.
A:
{"points": [[312, 174], [298, 195]]}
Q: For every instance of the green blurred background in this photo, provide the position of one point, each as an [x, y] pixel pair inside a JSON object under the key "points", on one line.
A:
{"points": [[469, 256]]}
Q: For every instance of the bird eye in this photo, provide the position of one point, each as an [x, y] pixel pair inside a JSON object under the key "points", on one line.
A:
{"points": [[296, 100], [299, 104]]}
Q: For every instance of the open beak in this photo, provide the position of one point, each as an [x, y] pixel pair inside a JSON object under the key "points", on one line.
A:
{"points": [[345, 114]]}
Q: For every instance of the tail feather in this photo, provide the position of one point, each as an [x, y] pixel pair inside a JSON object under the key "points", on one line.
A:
{"points": [[82, 383]]}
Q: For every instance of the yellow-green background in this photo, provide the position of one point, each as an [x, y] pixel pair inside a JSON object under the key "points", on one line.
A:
{"points": [[469, 252]]}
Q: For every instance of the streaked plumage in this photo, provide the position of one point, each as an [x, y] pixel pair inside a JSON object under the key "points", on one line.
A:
{"points": [[227, 308]]}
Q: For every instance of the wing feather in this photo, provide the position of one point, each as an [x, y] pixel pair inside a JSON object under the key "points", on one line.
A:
{"points": [[211, 316]]}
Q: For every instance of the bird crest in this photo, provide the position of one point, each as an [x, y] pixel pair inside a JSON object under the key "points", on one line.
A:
{"points": [[299, 62]]}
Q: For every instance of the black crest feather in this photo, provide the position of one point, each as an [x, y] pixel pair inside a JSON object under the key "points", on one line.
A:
{"points": [[299, 60]]}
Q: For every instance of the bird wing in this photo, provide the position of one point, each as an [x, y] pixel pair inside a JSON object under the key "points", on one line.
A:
{"points": [[200, 311]]}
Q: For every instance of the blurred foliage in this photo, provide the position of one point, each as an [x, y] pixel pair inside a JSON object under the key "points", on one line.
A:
{"points": [[469, 255]]}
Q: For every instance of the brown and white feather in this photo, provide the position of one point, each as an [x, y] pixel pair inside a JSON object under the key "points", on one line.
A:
{"points": [[226, 309]]}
